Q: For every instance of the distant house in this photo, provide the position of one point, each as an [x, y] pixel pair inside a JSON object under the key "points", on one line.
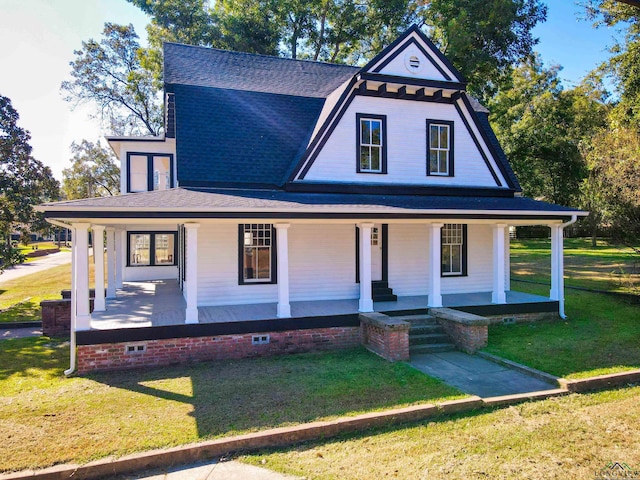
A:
{"points": [[288, 196]]}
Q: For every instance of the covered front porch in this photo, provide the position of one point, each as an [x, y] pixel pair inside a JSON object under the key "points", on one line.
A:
{"points": [[160, 303]]}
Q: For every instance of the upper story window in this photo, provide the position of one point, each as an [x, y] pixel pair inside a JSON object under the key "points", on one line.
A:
{"points": [[371, 143], [257, 253], [453, 249], [149, 171], [440, 148]]}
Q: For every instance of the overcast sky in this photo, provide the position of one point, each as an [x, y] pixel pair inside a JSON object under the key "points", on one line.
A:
{"points": [[38, 38]]}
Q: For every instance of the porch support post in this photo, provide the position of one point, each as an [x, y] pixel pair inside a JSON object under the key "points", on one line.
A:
{"points": [[498, 295], [507, 260], [111, 263], [191, 230], [366, 301], [282, 242], [99, 304], [557, 267], [80, 272], [556, 233], [435, 267], [119, 260]]}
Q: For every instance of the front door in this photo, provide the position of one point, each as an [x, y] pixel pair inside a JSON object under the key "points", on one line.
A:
{"points": [[376, 252]]}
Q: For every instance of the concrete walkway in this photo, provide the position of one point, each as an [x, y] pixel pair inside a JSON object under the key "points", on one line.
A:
{"points": [[210, 471], [43, 263], [6, 333], [477, 376]]}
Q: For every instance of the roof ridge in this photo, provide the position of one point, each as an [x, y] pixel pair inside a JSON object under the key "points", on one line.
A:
{"points": [[222, 50]]}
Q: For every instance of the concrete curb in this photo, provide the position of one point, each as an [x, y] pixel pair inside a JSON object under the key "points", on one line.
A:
{"points": [[10, 325], [600, 382], [544, 376], [276, 437]]}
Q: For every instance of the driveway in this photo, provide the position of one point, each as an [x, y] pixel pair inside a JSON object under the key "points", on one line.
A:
{"points": [[43, 263]]}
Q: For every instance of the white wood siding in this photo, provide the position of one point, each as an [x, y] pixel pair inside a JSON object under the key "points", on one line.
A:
{"points": [[427, 69], [406, 147], [322, 262], [479, 263], [408, 249], [218, 270]]}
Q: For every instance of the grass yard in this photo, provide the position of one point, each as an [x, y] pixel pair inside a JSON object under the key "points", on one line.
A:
{"points": [[20, 298], [606, 267], [600, 335], [602, 332], [46, 419], [564, 437]]}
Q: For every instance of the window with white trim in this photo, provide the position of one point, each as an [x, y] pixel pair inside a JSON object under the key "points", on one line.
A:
{"points": [[151, 249], [257, 257], [371, 140], [453, 249], [440, 148], [149, 171]]}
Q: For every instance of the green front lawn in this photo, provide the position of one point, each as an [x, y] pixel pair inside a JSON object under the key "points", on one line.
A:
{"points": [[600, 335], [571, 437], [606, 267], [20, 298], [47, 419]]}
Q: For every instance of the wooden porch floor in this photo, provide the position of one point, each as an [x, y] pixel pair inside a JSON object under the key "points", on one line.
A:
{"points": [[160, 303]]}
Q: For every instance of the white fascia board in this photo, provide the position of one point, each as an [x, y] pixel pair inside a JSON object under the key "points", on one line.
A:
{"points": [[432, 56], [352, 210]]}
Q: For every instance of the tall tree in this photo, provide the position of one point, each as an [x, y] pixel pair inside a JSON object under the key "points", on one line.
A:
{"points": [[541, 127], [483, 39], [93, 172], [623, 67], [109, 74], [614, 158], [24, 182]]}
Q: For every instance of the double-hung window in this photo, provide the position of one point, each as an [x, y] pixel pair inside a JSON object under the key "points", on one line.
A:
{"points": [[257, 253], [151, 249], [149, 171], [440, 148], [371, 143], [454, 249]]}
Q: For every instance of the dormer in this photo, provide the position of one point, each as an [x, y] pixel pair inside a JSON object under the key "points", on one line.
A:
{"points": [[403, 121]]}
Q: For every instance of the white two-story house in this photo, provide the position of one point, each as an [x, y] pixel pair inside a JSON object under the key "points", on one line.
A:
{"points": [[297, 194]]}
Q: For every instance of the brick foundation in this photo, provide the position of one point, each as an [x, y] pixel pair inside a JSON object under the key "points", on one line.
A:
{"points": [[523, 317], [385, 336], [113, 356], [469, 332], [56, 317]]}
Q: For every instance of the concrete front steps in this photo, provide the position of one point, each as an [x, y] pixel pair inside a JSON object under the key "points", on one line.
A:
{"points": [[426, 335]]}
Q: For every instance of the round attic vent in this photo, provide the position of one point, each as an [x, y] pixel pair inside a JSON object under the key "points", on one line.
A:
{"points": [[412, 63]]}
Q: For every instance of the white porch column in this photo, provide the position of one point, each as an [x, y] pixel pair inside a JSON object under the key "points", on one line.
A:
{"points": [[282, 242], [99, 304], [191, 230], [556, 233], [80, 272], [119, 260], [507, 260], [111, 263], [498, 295], [366, 301], [435, 265]]}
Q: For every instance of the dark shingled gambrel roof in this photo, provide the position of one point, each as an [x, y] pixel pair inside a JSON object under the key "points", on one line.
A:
{"points": [[243, 118], [209, 67], [246, 119], [219, 144]]}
